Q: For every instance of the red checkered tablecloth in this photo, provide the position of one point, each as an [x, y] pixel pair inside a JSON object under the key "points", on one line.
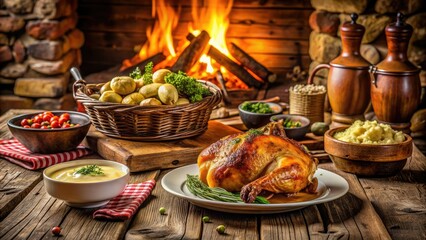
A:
{"points": [[13, 151], [125, 205]]}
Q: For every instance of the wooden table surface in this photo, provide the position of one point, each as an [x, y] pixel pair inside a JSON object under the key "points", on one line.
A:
{"points": [[374, 208]]}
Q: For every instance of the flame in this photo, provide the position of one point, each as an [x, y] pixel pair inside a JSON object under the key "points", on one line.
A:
{"points": [[209, 15], [159, 37]]}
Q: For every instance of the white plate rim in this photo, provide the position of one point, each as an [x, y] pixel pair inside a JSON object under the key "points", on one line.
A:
{"points": [[336, 186]]}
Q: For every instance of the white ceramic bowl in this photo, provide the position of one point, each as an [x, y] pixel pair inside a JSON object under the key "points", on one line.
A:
{"points": [[85, 195]]}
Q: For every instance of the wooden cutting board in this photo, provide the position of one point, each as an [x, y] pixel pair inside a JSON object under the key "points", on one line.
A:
{"points": [[142, 156]]}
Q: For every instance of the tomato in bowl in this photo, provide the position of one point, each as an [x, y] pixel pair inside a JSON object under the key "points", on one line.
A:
{"points": [[50, 132]]}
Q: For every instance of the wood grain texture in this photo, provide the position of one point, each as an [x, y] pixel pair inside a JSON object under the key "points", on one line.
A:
{"points": [[141, 156], [401, 217], [15, 183]]}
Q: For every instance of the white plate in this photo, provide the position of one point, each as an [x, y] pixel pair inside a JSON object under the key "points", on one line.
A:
{"points": [[330, 186]]}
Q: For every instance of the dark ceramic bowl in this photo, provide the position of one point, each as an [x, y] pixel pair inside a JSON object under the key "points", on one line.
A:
{"points": [[50, 140], [369, 160], [256, 120], [297, 132]]}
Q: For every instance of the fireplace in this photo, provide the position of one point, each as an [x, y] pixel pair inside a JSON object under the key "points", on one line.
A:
{"points": [[273, 34]]}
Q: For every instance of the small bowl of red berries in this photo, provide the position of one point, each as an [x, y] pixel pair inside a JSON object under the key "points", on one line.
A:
{"points": [[50, 131]]}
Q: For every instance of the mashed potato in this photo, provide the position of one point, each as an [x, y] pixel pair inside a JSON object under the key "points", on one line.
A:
{"points": [[370, 132]]}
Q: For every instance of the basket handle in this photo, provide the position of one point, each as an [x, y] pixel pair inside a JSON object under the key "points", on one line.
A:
{"points": [[316, 69]]}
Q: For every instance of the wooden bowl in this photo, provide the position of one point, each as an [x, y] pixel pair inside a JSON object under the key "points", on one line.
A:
{"points": [[368, 160], [53, 140]]}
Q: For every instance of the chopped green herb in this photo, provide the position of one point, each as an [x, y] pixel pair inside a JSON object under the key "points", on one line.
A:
{"points": [[92, 170], [200, 189], [235, 140], [256, 107], [189, 86], [254, 132]]}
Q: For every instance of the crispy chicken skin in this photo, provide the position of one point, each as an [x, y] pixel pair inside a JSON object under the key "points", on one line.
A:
{"points": [[258, 160]]}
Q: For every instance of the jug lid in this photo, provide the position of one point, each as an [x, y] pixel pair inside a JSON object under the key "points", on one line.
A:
{"points": [[351, 34], [398, 36]]}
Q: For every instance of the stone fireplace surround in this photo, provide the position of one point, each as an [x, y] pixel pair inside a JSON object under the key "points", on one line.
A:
{"points": [[39, 43]]}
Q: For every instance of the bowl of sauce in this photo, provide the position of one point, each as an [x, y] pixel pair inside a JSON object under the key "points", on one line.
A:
{"points": [[86, 183]]}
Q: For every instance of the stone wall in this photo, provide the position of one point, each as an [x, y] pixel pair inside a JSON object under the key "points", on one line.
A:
{"points": [[325, 22], [39, 43]]}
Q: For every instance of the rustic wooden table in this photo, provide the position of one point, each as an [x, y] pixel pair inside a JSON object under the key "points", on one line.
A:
{"points": [[381, 208]]}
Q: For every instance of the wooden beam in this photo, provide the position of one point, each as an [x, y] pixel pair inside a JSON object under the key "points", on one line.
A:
{"points": [[250, 63], [232, 66], [192, 53]]}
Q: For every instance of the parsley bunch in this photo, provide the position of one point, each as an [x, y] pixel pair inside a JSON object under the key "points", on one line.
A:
{"points": [[189, 86], [146, 76]]}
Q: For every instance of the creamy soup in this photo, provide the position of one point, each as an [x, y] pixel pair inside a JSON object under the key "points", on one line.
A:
{"points": [[77, 174]]}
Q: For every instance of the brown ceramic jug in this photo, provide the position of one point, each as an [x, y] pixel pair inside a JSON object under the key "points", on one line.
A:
{"points": [[348, 82], [395, 88]]}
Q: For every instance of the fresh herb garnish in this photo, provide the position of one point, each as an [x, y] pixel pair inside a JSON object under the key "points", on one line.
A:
{"points": [[189, 86], [92, 170], [235, 140], [146, 76], [200, 189]]}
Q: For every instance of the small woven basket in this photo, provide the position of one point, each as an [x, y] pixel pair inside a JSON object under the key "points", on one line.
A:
{"points": [[148, 123], [308, 105]]}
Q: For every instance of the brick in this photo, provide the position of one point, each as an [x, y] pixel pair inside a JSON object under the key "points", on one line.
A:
{"points": [[5, 54], [46, 50], [75, 39], [14, 102], [53, 67], [50, 29], [14, 70], [19, 52], [41, 87], [11, 24], [53, 50], [324, 22], [53, 9], [19, 6]]}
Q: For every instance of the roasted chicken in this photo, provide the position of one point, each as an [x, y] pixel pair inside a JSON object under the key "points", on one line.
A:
{"points": [[258, 161]]}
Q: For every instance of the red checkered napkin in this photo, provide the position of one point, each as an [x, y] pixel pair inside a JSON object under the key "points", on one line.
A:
{"points": [[125, 205], [15, 152]]}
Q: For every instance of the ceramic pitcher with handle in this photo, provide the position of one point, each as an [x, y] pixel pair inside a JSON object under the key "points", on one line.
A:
{"points": [[348, 82]]}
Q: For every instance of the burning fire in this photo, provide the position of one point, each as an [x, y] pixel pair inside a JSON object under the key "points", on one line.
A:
{"points": [[211, 16]]}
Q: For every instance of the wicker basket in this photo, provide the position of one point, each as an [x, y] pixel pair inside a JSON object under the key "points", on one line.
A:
{"points": [[308, 105], [148, 123]]}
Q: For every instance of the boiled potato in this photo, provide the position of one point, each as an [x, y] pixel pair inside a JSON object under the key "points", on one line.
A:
{"points": [[95, 96], [110, 96], [150, 90], [168, 94], [182, 101], [150, 102], [159, 75], [133, 98], [139, 83], [123, 85], [106, 87]]}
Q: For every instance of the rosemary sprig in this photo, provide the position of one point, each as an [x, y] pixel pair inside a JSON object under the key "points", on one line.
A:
{"points": [[200, 189], [92, 170]]}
